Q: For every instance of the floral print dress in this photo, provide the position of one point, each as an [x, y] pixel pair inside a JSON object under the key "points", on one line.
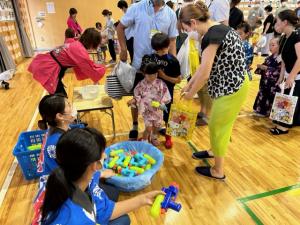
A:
{"points": [[267, 86], [144, 94]]}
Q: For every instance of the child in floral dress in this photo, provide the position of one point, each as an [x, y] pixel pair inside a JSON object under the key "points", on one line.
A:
{"points": [[150, 96]]}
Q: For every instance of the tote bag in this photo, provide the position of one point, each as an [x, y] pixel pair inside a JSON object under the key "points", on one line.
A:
{"points": [[284, 106]]}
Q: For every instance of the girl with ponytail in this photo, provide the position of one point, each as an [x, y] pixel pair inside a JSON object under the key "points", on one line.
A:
{"points": [[57, 115], [223, 66], [72, 193], [287, 23]]}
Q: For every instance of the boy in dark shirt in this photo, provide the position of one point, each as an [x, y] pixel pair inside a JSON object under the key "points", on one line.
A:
{"points": [[169, 70]]}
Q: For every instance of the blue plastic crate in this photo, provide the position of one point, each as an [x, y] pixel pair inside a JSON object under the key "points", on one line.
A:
{"points": [[28, 159]]}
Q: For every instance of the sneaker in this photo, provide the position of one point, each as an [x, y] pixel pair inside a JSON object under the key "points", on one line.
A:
{"points": [[168, 143]]}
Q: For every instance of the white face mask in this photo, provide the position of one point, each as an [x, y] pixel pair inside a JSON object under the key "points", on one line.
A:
{"points": [[194, 35], [74, 112]]}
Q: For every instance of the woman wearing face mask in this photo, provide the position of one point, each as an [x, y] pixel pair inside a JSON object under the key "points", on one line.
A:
{"points": [[72, 193], [223, 65], [73, 24]]}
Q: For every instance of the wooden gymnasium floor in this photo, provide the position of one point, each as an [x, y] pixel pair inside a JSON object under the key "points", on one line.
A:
{"points": [[262, 185]]}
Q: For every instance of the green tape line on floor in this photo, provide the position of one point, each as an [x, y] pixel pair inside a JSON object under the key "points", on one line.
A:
{"points": [[268, 193], [252, 214]]}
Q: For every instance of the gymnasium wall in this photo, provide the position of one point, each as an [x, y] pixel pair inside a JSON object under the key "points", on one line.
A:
{"points": [[51, 33]]}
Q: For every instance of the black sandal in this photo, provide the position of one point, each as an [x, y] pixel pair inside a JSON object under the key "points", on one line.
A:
{"points": [[205, 171], [201, 155], [277, 131]]}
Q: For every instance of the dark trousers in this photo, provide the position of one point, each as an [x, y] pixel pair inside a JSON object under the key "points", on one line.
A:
{"points": [[111, 48], [129, 44], [113, 194], [60, 89], [111, 191]]}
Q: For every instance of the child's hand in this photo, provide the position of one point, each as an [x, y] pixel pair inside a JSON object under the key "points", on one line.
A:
{"points": [[262, 67], [178, 79], [148, 198], [107, 174], [131, 103]]}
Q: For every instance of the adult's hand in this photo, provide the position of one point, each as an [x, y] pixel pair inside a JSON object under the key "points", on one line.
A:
{"points": [[289, 82], [187, 95], [123, 55]]}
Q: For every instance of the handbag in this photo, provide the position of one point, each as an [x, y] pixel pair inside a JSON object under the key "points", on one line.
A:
{"points": [[182, 119], [284, 106], [113, 87]]}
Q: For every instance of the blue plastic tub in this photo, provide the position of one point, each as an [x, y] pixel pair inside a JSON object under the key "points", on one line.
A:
{"points": [[139, 182], [28, 159]]}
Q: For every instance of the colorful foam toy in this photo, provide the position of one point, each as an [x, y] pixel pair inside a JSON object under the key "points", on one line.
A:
{"points": [[129, 163], [164, 202]]}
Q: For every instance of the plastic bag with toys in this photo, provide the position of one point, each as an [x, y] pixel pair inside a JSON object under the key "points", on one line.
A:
{"points": [[182, 119]]}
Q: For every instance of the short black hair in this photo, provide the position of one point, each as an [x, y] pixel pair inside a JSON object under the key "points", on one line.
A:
{"points": [[235, 2], [116, 23], [151, 68], [122, 4], [170, 4], [72, 11], [244, 26], [106, 12], [90, 38], [268, 8], [69, 33], [98, 24], [160, 41]]}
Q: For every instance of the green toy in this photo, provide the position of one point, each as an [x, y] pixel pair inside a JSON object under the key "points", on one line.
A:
{"points": [[34, 147]]}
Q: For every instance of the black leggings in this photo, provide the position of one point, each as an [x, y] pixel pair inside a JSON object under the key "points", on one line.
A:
{"points": [[111, 48], [129, 44], [60, 89]]}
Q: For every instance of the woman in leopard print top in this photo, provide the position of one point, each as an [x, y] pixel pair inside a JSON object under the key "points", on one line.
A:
{"points": [[223, 65]]}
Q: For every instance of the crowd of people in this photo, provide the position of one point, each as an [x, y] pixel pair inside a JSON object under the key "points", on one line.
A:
{"points": [[218, 36]]}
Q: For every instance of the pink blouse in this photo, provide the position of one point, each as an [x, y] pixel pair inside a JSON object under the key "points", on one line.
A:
{"points": [[46, 70]]}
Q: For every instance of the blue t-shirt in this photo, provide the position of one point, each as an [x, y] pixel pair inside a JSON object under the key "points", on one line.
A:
{"points": [[142, 19], [47, 161], [74, 212]]}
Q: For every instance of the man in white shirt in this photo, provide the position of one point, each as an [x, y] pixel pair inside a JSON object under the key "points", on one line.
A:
{"points": [[219, 10]]}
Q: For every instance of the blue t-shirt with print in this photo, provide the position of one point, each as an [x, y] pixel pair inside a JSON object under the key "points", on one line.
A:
{"points": [[71, 213], [47, 162]]}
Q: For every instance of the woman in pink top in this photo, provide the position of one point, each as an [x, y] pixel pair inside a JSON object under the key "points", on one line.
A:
{"points": [[49, 69], [72, 22]]}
